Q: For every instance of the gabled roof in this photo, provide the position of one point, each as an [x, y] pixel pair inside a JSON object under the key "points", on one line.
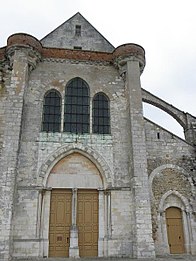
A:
{"points": [[77, 33]]}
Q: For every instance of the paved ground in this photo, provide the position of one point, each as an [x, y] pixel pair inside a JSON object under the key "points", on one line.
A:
{"points": [[165, 258]]}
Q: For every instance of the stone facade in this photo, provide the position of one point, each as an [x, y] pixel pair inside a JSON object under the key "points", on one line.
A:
{"points": [[139, 169]]}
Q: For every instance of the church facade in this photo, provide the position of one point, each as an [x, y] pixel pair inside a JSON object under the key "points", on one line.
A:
{"points": [[83, 173]]}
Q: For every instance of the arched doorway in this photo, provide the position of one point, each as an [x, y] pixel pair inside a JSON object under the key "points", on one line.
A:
{"points": [[175, 230], [74, 207]]}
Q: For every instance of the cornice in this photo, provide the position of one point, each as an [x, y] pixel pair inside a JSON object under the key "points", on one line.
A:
{"points": [[71, 61], [78, 55], [36, 53]]}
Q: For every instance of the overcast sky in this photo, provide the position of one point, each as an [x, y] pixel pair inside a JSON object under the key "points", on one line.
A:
{"points": [[165, 28]]}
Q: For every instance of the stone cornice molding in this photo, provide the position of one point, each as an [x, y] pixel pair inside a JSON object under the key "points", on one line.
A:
{"points": [[72, 61], [77, 55], [119, 57]]}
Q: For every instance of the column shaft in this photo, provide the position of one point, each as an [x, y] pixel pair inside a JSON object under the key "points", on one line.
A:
{"points": [[73, 248], [11, 146], [143, 245]]}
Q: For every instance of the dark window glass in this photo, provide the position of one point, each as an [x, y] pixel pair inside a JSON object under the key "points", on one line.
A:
{"points": [[51, 120], [77, 47], [76, 114], [101, 114], [78, 30]]}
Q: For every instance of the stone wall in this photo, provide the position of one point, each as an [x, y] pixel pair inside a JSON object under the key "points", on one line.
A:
{"points": [[12, 110], [65, 36], [106, 150], [171, 168], [99, 78], [139, 169]]}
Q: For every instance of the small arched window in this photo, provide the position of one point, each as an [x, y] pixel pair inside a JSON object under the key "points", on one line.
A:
{"points": [[101, 114], [51, 120], [76, 114]]}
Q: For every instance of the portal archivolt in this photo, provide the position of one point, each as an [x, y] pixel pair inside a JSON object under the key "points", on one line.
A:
{"points": [[73, 206]]}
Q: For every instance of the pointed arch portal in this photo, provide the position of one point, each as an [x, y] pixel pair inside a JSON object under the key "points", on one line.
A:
{"points": [[75, 171], [73, 208], [174, 223], [175, 232]]}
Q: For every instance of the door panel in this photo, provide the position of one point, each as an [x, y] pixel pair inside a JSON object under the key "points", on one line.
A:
{"points": [[175, 230], [60, 222], [87, 221]]}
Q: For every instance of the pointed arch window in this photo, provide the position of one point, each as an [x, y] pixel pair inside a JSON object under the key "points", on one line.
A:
{"points": [[101, 114], [76, 114], [51, 119]]}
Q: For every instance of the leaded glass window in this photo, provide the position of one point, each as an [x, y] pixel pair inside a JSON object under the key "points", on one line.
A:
{"points": [[76, 114], [51, 119], [101, 114]]}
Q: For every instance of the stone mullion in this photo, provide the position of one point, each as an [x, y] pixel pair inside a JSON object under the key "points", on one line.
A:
{"points": [[163, 230], [109, 214], [107, 220], [39, 212], [101, 223], [73, 248], [74, 206], [44, 221], [91, 115], [62, 113], [186, 230]]}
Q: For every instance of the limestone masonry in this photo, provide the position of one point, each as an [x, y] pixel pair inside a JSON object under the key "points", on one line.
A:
{"points": [[83, 173]]}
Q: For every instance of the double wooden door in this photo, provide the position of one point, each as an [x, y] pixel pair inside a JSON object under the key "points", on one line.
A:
{"points": [[60, 222], [175, 230]]}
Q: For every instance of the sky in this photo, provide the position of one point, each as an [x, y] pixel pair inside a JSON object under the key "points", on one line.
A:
{"points": [[166, 29]]}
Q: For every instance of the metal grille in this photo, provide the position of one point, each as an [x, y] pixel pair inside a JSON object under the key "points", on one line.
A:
{"points": [[101, 114], [51, 120], [76, 115]]}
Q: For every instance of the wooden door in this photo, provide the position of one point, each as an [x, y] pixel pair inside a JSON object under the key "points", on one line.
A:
{"points": [[60, 222], [175, 230], [87, 221]]}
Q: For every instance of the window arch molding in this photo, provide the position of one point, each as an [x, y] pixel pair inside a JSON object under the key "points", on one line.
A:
{"points": [[77, 106], [77, 78], [108, 94], [101, 113], [44, 93]]}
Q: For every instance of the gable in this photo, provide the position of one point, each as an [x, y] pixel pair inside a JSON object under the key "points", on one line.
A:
{"points": [[77, 33]]}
